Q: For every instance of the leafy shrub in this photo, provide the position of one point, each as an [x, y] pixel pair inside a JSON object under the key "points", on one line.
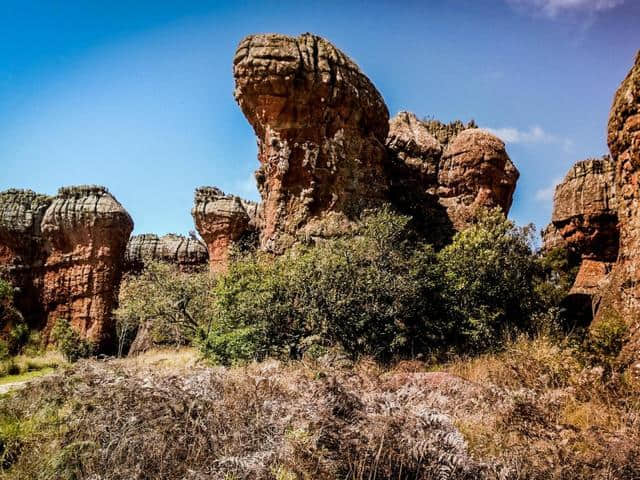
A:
{"points": [[18, 337], [176, 307], [605, 339], [372, 294], [69, 342], [489, 271]]}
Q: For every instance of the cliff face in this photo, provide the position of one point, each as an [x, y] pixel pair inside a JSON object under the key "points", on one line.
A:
{"points": [[223, 220], [622, 297], [187, 254], [321, 127], [70, 250]]}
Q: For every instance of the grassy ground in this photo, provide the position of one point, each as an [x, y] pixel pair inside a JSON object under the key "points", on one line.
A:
{"points": [[533, 411]]}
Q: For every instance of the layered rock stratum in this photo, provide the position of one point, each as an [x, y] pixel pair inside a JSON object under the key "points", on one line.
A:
{"points": [[65, 255], [188, 254]]}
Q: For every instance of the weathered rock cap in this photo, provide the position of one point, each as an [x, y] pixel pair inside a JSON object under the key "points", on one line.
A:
{"points": [[89, 206], [187, 253], [283, 82], [21, 212]]}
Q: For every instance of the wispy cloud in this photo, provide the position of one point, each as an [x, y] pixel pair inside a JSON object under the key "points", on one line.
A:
{"points": [[545, 194], [554, 8], [247, 187], [535, 134]]}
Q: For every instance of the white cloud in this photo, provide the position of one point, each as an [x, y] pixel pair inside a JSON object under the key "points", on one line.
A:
{"points": [[535, 134], [553, 8], [546, 194], [248, 187]]}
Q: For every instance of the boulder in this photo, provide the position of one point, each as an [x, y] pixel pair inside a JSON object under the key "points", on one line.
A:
{"points": [[475, 171], [440, 174], [224, 221], [188, 254], [321, 127]]}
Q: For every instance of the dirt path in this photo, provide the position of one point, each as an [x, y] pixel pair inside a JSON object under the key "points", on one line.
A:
{"points": [[15, 385]]}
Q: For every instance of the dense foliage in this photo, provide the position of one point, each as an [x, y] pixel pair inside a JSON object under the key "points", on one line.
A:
{"points": [[69, 342], [378, 294], [166, 306]]}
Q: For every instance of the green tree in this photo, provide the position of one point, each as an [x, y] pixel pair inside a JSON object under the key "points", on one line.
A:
{"points": [[489, 271], [175, 306]]}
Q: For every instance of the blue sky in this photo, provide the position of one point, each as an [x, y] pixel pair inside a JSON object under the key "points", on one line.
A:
{"points": [[137, 95]]}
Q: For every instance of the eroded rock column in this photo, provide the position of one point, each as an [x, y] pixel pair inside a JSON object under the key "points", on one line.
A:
{"points": [[85, 230], [223, 220], [321, 126], [188, 254]]}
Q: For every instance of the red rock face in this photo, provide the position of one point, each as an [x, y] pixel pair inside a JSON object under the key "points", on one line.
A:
{"points": [[441, 174], [475, 172], [321, 127], [86, 232], [188, 254], [222, 221], [622, 297], [68, 251], [585, 210]]}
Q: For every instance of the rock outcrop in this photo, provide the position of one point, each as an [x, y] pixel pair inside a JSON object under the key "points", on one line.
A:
{"points": [[222, 221], [188, 254], [321, 127], [621, 298], [442, 173], [585, 210], [328, 152], [68, 251], [22, 254], [584, 221]]}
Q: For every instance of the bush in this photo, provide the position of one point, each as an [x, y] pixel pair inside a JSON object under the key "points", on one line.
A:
{"points": [[489, 272], [371, 294], [175, 307], [605, 339], [69, 342], [378, 294]]}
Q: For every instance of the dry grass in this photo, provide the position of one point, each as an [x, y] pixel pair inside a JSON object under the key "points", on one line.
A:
{"points": [[531, 412]]}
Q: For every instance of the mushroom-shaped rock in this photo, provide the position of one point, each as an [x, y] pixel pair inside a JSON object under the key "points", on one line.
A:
{"points": [[621, 298], [21, 248], [321, 126], [86, 231], [223, 220], [475, 171], [188, 254]]}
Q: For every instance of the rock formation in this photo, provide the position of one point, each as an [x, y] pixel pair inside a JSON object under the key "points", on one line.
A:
{"points": [[223, 220], [321, 127], [67, 254], [584, 221], [585, 210], [442, 173], [22, 253], [188, 254], [621, 298]]}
